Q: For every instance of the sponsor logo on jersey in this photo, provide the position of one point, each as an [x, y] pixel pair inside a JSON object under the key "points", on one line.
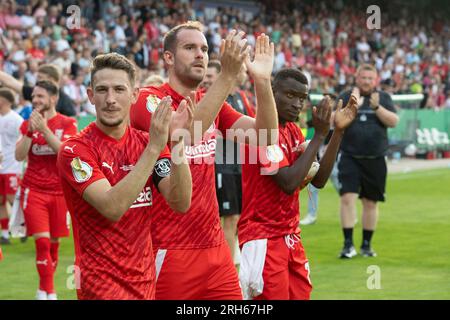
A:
{"points": [[42, 150], [127, 167], [152, 103], [274, 153], [81, 171], [144, 199], [162, 167], [202, 150]]}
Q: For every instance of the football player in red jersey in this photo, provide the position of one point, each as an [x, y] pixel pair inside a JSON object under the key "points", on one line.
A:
{"points": [[193, 260], [42, 197], [111, 174], [273, 261]]}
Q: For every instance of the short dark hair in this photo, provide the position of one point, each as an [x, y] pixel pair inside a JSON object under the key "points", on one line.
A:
{"points": [[171, 36], [113, 61], [215, 64], [49, 86], [8, 94], [288, 73]]}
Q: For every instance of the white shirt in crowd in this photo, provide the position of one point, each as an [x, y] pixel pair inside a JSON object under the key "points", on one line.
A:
{"points": [[9, 134]]}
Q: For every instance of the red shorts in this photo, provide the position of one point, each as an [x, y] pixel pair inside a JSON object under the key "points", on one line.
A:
{"points": [[44, 213], [196, 274], [8, 185], [275, 269]]}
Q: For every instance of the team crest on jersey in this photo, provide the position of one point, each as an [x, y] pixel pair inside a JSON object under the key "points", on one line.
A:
{"points": [[152, 103], [81, 171], [59, 134], [274, 153]]}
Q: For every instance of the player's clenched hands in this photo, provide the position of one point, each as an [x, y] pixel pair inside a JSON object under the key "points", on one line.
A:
{"points": [[262, 64], [182, 118], [344, 116], [321, 117], [159, 126], [233, 51]]}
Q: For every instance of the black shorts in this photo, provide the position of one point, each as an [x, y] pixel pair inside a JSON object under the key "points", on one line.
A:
{"points": [[367, 177], [229, 193]]}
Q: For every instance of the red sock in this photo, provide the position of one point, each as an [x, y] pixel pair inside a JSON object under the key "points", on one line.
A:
{"points": [[44, 265], [54, 247], [4, 223]]}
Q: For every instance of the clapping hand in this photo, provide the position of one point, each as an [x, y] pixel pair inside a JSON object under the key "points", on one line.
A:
{"points": [[343, 117], [262, 64]]}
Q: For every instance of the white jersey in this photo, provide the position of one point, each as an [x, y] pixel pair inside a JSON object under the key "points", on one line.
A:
{"points": [[9, 134]]}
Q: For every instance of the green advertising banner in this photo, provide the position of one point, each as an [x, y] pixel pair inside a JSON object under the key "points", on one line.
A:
{"points": [[428, 129]]}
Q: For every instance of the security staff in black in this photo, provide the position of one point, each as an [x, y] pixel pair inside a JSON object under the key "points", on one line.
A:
{"points": [[362, 163]]}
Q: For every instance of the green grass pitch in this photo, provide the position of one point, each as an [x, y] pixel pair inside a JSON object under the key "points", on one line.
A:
{"points": [[412, 242]]}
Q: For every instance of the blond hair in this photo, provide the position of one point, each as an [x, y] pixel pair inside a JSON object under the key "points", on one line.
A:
{"points": [[366, 67]]}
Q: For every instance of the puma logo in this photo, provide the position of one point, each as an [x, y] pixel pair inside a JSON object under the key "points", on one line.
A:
{"points": [[106, 165], [44, 262], [70, 148]]}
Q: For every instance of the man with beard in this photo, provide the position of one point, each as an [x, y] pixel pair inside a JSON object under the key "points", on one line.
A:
{"points": [[49, 72], [41, 196], [193, 260], [111, 174]]}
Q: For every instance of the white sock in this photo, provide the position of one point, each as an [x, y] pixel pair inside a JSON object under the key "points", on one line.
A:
{"points": [[5, 234]]}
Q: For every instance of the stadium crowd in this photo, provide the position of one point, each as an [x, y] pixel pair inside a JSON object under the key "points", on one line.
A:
{"points": [[411, 53], [47, 50]]}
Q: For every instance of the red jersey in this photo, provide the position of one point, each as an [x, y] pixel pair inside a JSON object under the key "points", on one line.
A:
{"points": [[267, 211], [42, 174], [115, 259], [200, 226]]}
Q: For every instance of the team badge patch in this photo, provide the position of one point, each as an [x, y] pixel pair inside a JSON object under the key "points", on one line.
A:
{"points": [[81, 171], [152, 103], [274, 153]]}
